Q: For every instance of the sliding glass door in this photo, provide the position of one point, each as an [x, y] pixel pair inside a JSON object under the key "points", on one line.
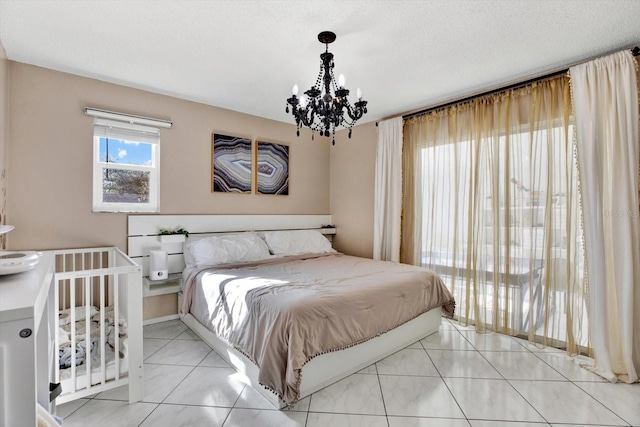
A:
{"points": [[491, 204]]}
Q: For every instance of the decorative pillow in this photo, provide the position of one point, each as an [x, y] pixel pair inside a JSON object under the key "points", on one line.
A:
{"points": [[296, 242], [228, 249]]}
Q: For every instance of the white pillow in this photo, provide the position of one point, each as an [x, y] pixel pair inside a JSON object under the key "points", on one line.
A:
{"points": [[296, 242], [228, 249], [188, 258]]}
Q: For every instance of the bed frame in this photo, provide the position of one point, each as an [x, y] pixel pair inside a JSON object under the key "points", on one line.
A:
{"points": [[319, 372]]}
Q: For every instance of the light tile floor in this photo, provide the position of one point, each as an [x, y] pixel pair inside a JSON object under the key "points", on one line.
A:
{"points": [[454, 378]]}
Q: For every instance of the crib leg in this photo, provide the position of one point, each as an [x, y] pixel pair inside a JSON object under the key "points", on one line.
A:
{"points": [[134, 301]]}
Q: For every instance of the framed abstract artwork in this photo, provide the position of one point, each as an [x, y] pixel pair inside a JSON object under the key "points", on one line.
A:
{"points": [[230, 164], [272, 168]]}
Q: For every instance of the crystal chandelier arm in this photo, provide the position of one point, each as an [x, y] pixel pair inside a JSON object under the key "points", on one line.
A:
{"points": [[308, 114], [357, 111]]}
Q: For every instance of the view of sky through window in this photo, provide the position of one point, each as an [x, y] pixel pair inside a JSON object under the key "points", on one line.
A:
{"points": [[126, 152]]}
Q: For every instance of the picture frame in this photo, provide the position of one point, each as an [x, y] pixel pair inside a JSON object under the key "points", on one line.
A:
{"points": [[272, 168], [231, 164]]}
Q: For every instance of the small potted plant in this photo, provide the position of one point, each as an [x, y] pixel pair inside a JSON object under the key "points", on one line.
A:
{"points": [[176, 235]]}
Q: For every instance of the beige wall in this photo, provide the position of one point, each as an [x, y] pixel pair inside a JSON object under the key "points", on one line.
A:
{"points": [[4, 133], [352, 189], [50, 170]]}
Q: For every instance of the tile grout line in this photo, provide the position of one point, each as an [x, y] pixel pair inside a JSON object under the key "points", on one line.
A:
{"points": [[194, 368], [172, 364], [550, 380], [234, 405], [306, 420], [513, 387], [548, 364], [500, 373], [446, 385], [598, 400], [149, 414], [75, 410], [174, 388], [384, 404], [157, 349]]}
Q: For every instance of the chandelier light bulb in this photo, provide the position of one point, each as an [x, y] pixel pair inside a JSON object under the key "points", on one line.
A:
{"points": [[303, 101], [295, 90], [341, 80], [359, 93]]}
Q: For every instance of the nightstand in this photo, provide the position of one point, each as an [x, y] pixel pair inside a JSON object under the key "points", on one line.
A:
{"points": [[171, 285]]}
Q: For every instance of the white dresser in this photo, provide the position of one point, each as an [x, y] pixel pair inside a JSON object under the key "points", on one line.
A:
{"points": [[26, 311]]}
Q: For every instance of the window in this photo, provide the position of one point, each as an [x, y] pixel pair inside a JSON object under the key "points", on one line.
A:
{"points": [[126, 167]]}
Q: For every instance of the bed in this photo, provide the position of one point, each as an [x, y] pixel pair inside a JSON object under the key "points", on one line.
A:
{"points": [[300, 316]]}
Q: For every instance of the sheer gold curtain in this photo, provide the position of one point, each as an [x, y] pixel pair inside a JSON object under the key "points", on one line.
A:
{"points": [[490, 203]]}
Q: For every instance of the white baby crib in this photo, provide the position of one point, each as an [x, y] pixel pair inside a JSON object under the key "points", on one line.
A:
{"points": [[98, 332]]}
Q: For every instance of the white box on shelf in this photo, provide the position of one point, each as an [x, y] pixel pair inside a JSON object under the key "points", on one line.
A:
{"points": [[158, 265]]}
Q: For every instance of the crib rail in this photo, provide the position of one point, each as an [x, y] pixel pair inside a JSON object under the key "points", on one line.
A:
{"points": [[98, 333]]}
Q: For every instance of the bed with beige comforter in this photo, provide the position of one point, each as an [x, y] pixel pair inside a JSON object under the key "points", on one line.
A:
{"points": [[281, 313]]}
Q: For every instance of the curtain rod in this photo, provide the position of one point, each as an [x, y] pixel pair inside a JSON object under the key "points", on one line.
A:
{"points": [[635, 51], [130, 118]]}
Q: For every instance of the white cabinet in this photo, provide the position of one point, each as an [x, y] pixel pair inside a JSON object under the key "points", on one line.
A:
{"points": [[26, 313]]}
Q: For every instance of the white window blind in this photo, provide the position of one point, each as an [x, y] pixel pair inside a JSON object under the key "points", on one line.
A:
{"points": [[127, 131]]}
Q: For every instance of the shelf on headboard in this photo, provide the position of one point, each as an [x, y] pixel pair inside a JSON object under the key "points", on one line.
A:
{"points": [[143, 231]]}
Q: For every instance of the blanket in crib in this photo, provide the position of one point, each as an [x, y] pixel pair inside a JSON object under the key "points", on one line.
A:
{"points": [[92, 345]]}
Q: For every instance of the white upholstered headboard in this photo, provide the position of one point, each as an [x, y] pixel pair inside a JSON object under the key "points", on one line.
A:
{"points": [[143, 232]]}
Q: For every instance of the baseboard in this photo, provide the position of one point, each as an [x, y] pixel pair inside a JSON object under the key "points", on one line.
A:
{"points": [[160, 319]]}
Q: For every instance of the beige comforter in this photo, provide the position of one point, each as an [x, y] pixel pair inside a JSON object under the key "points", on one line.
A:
{"points": [[282, 313]]}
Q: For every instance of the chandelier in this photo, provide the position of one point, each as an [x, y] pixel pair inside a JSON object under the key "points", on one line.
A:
{"points": [[325, 106]]}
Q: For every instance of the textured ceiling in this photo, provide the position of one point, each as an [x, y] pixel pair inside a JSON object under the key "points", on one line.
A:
{"points": [[246, 55]]}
